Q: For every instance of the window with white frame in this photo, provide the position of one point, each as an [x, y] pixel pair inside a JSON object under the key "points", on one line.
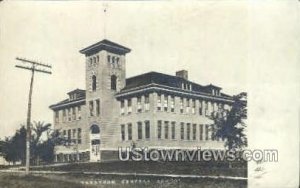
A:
{"points": [[147, 103], [181, 105], [165, 103], [139, 104], [122, 107], [172, 103], [129, 106], [159, 102], [187, 105], [193, 106], [79, 112]]}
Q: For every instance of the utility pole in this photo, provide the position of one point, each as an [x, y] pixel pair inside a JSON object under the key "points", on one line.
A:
{"points": [[33, 66]]}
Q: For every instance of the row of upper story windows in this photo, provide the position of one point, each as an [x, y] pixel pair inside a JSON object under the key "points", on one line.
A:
{"points": [[114, 61], [168, 130], [68, 114], [167, 103], [143, 131], [72, 136], [113, 82], [188, 131]]}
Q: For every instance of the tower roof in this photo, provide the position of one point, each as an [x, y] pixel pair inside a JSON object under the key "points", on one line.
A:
{"points": [[105, 45]]}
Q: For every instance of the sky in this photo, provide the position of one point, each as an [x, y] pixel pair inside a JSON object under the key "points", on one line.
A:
{"points": [[250, 46]]}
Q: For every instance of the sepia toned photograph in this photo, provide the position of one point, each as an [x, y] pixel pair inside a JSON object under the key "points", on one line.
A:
{"points": [[149, 94]]}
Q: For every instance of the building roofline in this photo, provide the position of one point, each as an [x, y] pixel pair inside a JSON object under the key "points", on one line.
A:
{"points": [[154, 86], [105, 44], [68, 103]]}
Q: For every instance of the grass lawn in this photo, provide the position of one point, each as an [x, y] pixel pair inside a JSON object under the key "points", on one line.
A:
{"points": [[8, 180], [194, 168]]}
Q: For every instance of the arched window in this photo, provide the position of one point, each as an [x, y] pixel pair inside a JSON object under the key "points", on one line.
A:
{"points": [[113, 81], [95, 129], [94, 83]]}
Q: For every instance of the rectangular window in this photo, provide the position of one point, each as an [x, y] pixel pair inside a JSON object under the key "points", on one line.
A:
{"points": [[74, 136], [97, 107], [79, 112], [69, 136], [172, 103], [147, 129], [188, 131], [108, 58], [212, 132], [79, 135], [194, 131], [201, 132], [206, 108], [193, 106], [91, 107], [147, 103], [122, 132], [187, 105], [159, 129], [159, 102], [140, 130], [64, 115], [69, 115], [166, 130], [74, 113], [206, 132], [122, 107], [139, 104], [129, 104], [64, 133], [182, 131], [181, 105], [56, 116], [173, 130], [200, 108], [129, 131], [165, 103]]}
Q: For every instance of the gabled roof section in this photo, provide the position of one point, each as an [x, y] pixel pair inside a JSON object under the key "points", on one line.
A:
{"points": [[76, 97], [161, 79], [164, 80], [105, 45], [79, 91]]}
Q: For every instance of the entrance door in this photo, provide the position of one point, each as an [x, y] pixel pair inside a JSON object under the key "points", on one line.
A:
{"points": [[95, 143]]}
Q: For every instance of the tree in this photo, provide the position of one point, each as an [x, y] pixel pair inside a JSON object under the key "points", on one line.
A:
{"points": [[42, 143], [13, 148], [230, 124]]}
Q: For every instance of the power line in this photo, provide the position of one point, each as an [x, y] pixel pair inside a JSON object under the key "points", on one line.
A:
{"points": [[33, 67]]}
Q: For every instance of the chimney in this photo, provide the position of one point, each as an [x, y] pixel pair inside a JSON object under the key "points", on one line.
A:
{"points": [[182, 74]]}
